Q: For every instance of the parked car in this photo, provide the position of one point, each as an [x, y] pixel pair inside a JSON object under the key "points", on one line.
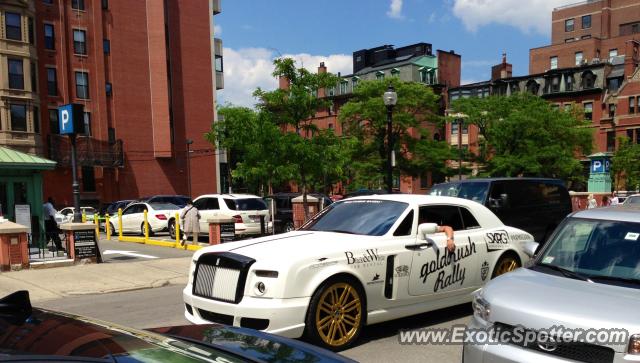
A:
{"points": [[360, 261], [632, 199], [283, 218], [245, 209], [65, 215], [179, 200], [586, 277], [536, 205], [361, 192], [112, 208], [158, 215], [36, 335]]}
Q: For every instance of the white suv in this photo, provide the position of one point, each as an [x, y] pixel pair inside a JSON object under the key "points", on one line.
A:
{"points": [[246, 209]]}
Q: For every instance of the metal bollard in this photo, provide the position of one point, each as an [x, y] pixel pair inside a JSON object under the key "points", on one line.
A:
{"points": [[176, 224], [84, 217], [95, 222], [107, 226], [119, 224], [146, 225]]}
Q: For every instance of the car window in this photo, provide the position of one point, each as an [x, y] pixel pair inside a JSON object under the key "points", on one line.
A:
{"points": [[442, 215], [468, 220], [207, 204], [163, 206], [230, 203], [553, 194], [404, 229], [476, 191], [632, 200], [250, 204], [130, 209]]}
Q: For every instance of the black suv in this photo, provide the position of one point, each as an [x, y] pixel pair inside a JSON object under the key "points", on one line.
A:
{"points": [[283, 218], [536, 205]]}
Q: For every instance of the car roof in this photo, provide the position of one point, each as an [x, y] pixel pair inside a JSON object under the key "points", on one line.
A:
{"points": [[476, 180], [230, 196], [485, 217], [623, 213]]}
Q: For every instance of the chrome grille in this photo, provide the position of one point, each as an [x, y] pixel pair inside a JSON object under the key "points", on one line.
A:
{"points": [[217, 282]]}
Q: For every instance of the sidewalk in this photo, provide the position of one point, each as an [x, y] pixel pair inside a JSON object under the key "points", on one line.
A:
{"points": [[55, 283]]}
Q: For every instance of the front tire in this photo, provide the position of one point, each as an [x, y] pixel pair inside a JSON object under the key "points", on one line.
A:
{"points": [[336, 314], [507, 263]]}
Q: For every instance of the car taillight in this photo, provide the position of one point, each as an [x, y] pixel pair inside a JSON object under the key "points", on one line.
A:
{"points": [[238, 218], [161, 217]]}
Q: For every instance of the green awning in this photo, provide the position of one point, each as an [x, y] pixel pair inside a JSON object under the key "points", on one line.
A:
{"points": [[12, 159]]}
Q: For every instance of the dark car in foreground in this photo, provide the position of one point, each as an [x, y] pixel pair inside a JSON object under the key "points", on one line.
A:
{"points": [[38, 335], [536, 205], [283, 217]]}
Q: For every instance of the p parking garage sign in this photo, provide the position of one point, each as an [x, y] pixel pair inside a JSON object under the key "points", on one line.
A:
{"points": [[71, 119]]}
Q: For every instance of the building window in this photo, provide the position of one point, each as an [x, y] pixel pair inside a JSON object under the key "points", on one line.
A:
{"points": [[614, 84], [82, 85], [568, 82], [570, 40], [395, 72], [106, 46], [77, 4], [13, 26], [588, 80], [343, 87], [79, 41], [632, 105], [87, 124], [111, 135], [34, 78], [578, 58], [555, 84], [18, 117], [108, 88], [588, 36], [533, 87], [586, 22], [54, 126], [16, 74], [354, 83], [31, 35], [379, 76], [612, 53], [219, 63], [611, 141], [36, 119], [588, 111], [454, 128], [49, 37], [568, 25], [48, 2], [105, 4], [88, 179], [612, 110], [553, 62], [52, 82], [332, 92]]}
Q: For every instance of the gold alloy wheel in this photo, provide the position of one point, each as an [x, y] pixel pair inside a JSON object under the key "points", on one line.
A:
{"points": [[338, 314], [506, 264]]}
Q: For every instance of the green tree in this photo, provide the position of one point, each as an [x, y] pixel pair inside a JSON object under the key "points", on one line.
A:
{"points": [[625, 165], [310, 151], [257, 141], [364, 117], [523, 135]]}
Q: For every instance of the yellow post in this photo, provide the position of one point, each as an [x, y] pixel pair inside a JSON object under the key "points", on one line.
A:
{"points": [[177, 227], [146, 226], [95, 222], [119, 224], [107, 226], [84, 216]]}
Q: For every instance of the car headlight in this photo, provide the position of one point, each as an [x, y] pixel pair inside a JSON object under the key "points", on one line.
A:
{"points": [[634, 344], [192, 271], [481, 307]]}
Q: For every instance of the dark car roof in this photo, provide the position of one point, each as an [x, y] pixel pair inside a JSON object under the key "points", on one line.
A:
{"points": [[27, 330], [551, 180]]}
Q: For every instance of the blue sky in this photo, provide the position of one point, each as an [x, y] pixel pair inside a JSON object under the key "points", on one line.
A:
{"points": [[256, 31]]}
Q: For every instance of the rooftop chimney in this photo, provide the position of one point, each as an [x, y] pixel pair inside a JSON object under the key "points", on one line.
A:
{"points": [[502, 70]]}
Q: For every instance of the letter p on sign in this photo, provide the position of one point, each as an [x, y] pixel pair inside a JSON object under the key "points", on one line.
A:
{"points": [[66, 120]]}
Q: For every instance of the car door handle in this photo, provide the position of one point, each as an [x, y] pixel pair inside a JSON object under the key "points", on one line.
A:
{"points": [[419, 246]]}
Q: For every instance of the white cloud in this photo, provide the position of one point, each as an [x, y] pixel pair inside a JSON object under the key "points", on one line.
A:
{"points": [[217, 30], [528, 15], [395, 9], [248, 68]]}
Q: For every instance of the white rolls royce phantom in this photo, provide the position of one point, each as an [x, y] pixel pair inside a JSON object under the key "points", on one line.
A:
{"points": [[360, 261]]}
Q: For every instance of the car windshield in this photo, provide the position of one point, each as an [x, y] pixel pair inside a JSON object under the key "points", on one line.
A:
{"points": [[246, 204], [476, 191], [164, 206], [362, 216], [601, 250], [632, 200]]}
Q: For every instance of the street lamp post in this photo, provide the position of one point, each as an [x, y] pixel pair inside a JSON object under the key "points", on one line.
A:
{"points": [[390, 99], [75, 186], [460, 148], [189, 142]]}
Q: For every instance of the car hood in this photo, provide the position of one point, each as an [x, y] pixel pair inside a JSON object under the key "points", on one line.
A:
{"points": [[298, 243], [538, 300]]}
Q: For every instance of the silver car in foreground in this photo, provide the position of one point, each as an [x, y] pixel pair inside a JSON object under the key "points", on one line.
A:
{"points": [[577, 300]]}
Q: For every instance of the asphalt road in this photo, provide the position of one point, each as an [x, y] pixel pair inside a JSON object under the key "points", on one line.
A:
{"points": [[164, 307], [114, 251]]}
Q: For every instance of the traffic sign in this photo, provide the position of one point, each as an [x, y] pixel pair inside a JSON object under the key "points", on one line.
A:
{"points": [[71, 119]]}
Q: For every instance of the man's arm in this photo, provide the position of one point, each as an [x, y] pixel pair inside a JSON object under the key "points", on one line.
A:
{"points": [[451, 246]]}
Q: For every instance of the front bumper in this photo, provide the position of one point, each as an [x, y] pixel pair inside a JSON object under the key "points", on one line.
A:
{"points": [[285, 316]]}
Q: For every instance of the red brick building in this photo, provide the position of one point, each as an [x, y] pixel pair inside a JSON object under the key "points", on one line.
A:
{"points": [[146, 73]]}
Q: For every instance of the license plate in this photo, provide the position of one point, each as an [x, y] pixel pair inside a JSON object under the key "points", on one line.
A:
{"points": [[255, 219]]}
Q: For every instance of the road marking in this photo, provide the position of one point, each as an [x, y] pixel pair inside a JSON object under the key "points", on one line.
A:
{"points": [[127, 253]]}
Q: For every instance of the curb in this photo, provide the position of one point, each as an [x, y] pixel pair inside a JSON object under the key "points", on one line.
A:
{"points": [[153, 285]]}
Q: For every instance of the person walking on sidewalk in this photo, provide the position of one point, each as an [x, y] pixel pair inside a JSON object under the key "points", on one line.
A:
{"points": [[190, 220], [50, 225]]}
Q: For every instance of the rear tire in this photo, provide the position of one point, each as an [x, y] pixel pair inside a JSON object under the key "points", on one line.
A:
{"points": [[172, 228], [142, 230], [113, 230]]}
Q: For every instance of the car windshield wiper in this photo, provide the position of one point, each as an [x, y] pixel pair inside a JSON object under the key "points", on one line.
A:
{"points": [[614, 278], [340, 231], [565, 272]]}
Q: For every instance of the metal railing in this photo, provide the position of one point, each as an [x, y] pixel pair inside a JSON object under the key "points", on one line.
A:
{"points": [[91, 152]]}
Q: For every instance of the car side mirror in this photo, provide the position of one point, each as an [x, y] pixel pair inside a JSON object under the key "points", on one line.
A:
{"points": [[425, 229], [530, 248]]}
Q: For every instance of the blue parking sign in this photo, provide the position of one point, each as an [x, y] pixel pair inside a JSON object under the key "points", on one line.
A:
{"points": [[65, 119]]}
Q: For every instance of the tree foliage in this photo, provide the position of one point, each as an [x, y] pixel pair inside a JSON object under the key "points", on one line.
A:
{"points": [[523, 135], [625, 165], [364, 117]]}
